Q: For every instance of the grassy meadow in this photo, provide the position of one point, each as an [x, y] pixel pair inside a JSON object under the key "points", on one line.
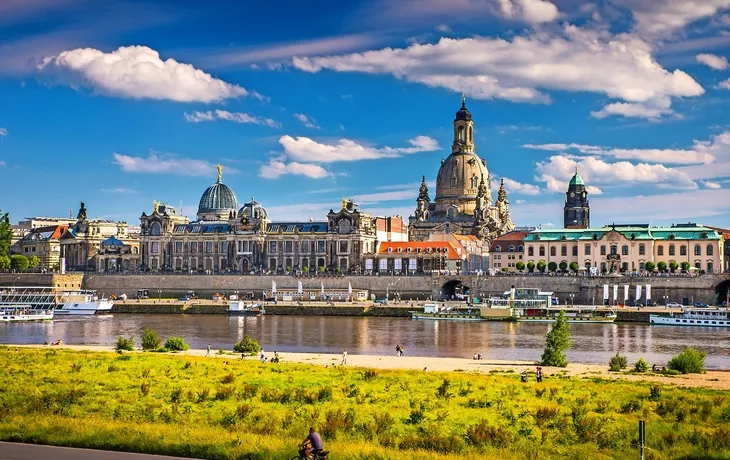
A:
{"points": [[207, 408]]}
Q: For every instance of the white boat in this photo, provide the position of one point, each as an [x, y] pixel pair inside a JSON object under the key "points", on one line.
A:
{"points": [[532, 305], [240, 308], [703, 317], [436, 311], [61, 301], [23, 313]]}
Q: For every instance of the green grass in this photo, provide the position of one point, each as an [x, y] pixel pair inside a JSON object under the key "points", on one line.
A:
{"points": [[202, 407]]}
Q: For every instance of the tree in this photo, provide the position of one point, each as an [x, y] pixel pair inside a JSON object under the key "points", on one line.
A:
{"points": [[530, 266], [661, 266], [520, 265], [247, 345], [6, 233], [541, 266], [574, 267], [617, 362], [690, 361], [649, 266], [150, 340], [673, 266], [33, 261], [552, 266], [685, 266], [4, 262], [563, 265], [18, 262], [556, 342]]}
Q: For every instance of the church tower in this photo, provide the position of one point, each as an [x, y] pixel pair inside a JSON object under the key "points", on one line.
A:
{"points": [[576, 213]]}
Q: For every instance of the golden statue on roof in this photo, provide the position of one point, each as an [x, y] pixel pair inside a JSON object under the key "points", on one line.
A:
{"points": [[344, 202], [156, 204], [220, 171]]}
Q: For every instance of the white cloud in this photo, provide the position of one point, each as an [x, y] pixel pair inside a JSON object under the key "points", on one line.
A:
{"points": [[557, 170], [724, 84], [530, 11], [137, 72], [517, 70], [444, 29], [163, 163], [713, 61], [309, 122], [122, 190], [3, 132], [236, 117], [306, 149], [711, 184], [276, 168], [653, 109], [512, 186], [660, 18]]}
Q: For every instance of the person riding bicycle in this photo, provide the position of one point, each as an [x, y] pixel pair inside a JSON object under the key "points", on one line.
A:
{"points": [[311, 446]]}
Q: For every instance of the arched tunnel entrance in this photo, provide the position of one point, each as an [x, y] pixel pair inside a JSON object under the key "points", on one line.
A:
{"points": [[721, 292], [454, 290]]}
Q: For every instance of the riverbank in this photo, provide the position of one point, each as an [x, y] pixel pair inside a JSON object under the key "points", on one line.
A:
{"points": [[714, 379], [227, 408]]}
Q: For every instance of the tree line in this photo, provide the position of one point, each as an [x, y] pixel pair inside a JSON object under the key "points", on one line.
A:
{"points": [[10, 261]]}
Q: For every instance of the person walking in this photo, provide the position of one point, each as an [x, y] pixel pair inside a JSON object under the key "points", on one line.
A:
{"points": [[538, 374], [344, 357], [402, 350], [397, 350], [263, 356], [207, 352]]}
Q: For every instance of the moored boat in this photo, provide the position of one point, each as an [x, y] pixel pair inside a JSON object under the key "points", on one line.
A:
{"points": [[15, 313], [697, 317], [61, 301], [240, 308]]}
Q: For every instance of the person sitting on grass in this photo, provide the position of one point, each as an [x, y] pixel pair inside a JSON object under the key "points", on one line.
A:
{"points": [[311, 446]]}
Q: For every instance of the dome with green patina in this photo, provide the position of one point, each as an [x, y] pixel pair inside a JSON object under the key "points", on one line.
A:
{"points": [[576, 180]]}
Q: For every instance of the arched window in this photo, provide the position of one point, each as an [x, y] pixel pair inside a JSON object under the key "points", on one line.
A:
{"points": [[603, 249], [542, 251], [710, 250], [520, 248], [660, 250], [588, 249], [563, 250], [531, 251], [710, 266], [642, 249], [460, 133], [625, 250], [450, 212], [552, 251], [155, 229], [575, 250], [683, 250], [672, 251], [614, 249], [498, 248], [474, 182], [511, 249], [698, 250]]}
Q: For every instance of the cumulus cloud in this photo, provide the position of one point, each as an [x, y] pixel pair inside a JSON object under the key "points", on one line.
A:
{"points": [[660, 18], [519, 188], [519, 69], [276, 168], [724, 84], [165, 163], [530, 11], [713, 61], [711, 184], [652, 109], [236, 117], [309, 122], [3, 132], [306, 149], [137, 72]]}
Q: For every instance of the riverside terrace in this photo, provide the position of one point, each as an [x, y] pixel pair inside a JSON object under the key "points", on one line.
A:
{"points": [[708, 288]]}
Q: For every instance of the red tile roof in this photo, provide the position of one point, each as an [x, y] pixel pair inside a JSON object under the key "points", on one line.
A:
{"points": [[425, 247]]}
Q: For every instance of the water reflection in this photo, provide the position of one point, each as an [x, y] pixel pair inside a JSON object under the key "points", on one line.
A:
{"points": [[494, 340]]}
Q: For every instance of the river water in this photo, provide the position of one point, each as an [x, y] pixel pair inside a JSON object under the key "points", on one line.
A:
{"points": [[592, 343]]}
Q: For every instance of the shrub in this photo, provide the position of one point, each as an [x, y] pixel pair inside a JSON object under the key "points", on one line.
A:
{"points": [[563, 265], [225, 392], [685, 266], [661, 266], [176, 344], [228, 378], [18, 262], [649, 266], [520, 265], [442, 392], [574, 266], [673, 266], [617, 362], [483, 433], [552, 266], [33, 261], [247, 345], [76, 367], [530, 266], [690, 361], [150, 340], [641, 366], [556, 342], [125, 344], [654, 393], [541, 266]]}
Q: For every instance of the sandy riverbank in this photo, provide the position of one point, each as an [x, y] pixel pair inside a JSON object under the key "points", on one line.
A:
{"points": [[716, 379]]}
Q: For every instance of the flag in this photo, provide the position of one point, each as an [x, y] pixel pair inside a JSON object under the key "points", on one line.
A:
{"points": [[349, 288], [605, 292], [322, 289], [273, 287], [299, 287], [638, 291], [615, 291], [626, 292], [648, 291]]}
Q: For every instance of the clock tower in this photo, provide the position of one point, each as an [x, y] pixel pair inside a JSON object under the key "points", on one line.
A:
{"points": [[576, 213]]}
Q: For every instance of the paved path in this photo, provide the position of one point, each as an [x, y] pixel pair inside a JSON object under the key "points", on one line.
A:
{"points": [[17, 451]]}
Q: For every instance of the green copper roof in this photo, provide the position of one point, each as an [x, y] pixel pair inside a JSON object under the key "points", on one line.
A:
{"points": [[576, 180], [631, 233]]}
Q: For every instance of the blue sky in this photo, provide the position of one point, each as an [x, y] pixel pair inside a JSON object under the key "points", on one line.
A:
{"points": [[120, 103]]}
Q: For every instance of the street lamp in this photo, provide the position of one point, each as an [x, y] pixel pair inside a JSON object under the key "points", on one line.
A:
{"points": [[387, 289]]}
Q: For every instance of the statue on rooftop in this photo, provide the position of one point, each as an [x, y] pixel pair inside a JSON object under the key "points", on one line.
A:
{"points": [[82, 212]]}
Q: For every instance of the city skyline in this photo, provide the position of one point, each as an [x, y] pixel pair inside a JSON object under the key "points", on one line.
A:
{"points": [[125, 103]]}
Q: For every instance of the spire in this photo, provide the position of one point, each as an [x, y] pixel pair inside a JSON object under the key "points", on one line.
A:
{"points": [[423, 191], [502, 194], [463, 100]]}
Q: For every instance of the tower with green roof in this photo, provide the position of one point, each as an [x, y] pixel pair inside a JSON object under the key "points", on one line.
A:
{"points": [[576, 213]]}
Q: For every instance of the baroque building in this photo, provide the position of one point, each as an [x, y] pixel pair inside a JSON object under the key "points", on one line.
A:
{"points": [[226, 238], [463, 201], [576, 212]]}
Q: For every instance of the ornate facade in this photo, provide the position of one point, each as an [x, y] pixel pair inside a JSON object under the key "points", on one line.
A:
{"points": [[463, 201], [227, 239], [576, 212]]}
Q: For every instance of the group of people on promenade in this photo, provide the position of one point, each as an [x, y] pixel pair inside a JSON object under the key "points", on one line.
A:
{"points": [[399, 350], [538, 375]]}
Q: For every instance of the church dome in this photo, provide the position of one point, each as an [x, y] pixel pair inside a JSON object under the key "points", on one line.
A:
{"points": [[463, 113], [217, 202], [253, 211], [459, 176]]}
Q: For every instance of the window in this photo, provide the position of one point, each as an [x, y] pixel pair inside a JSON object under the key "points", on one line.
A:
{"points": [[178, 246], [588, 249], [474, 182], [563, 250], [710, 266], [625, 267], [155, 248], [660, 250], [698, 250], [224, 247], [642, 250], [709, 250], [603, 250], [625, 250], [450, 212], [383, 264], [520, 248], [209, 247], [498, 248], [453, 181], [272, 263], [272, 247], [155, 230], [343, 245], [321, 246], [530, 251], [641, 265], [542, 251], [683, 250], [552, 251], [575, 250], [671, 250], [614, 249], [511, 249], [194, 246], [412, 264], [288, 247], [305, 246], [698, 265]]}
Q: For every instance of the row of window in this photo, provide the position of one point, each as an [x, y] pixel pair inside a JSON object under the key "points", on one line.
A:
{"points": [[510, 248], [509, 257], [418, 250], [614, 250], [208, 247]]}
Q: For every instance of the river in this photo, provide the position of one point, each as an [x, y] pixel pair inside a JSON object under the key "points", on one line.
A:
{"points": [[592, 343]]}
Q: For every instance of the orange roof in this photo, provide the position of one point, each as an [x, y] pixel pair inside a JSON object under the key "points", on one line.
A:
{"points": [[56, 229], [511, 237], [425, 248]]}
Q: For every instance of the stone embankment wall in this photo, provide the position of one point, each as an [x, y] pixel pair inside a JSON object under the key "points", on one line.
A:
{"points": [[585, 290]]}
